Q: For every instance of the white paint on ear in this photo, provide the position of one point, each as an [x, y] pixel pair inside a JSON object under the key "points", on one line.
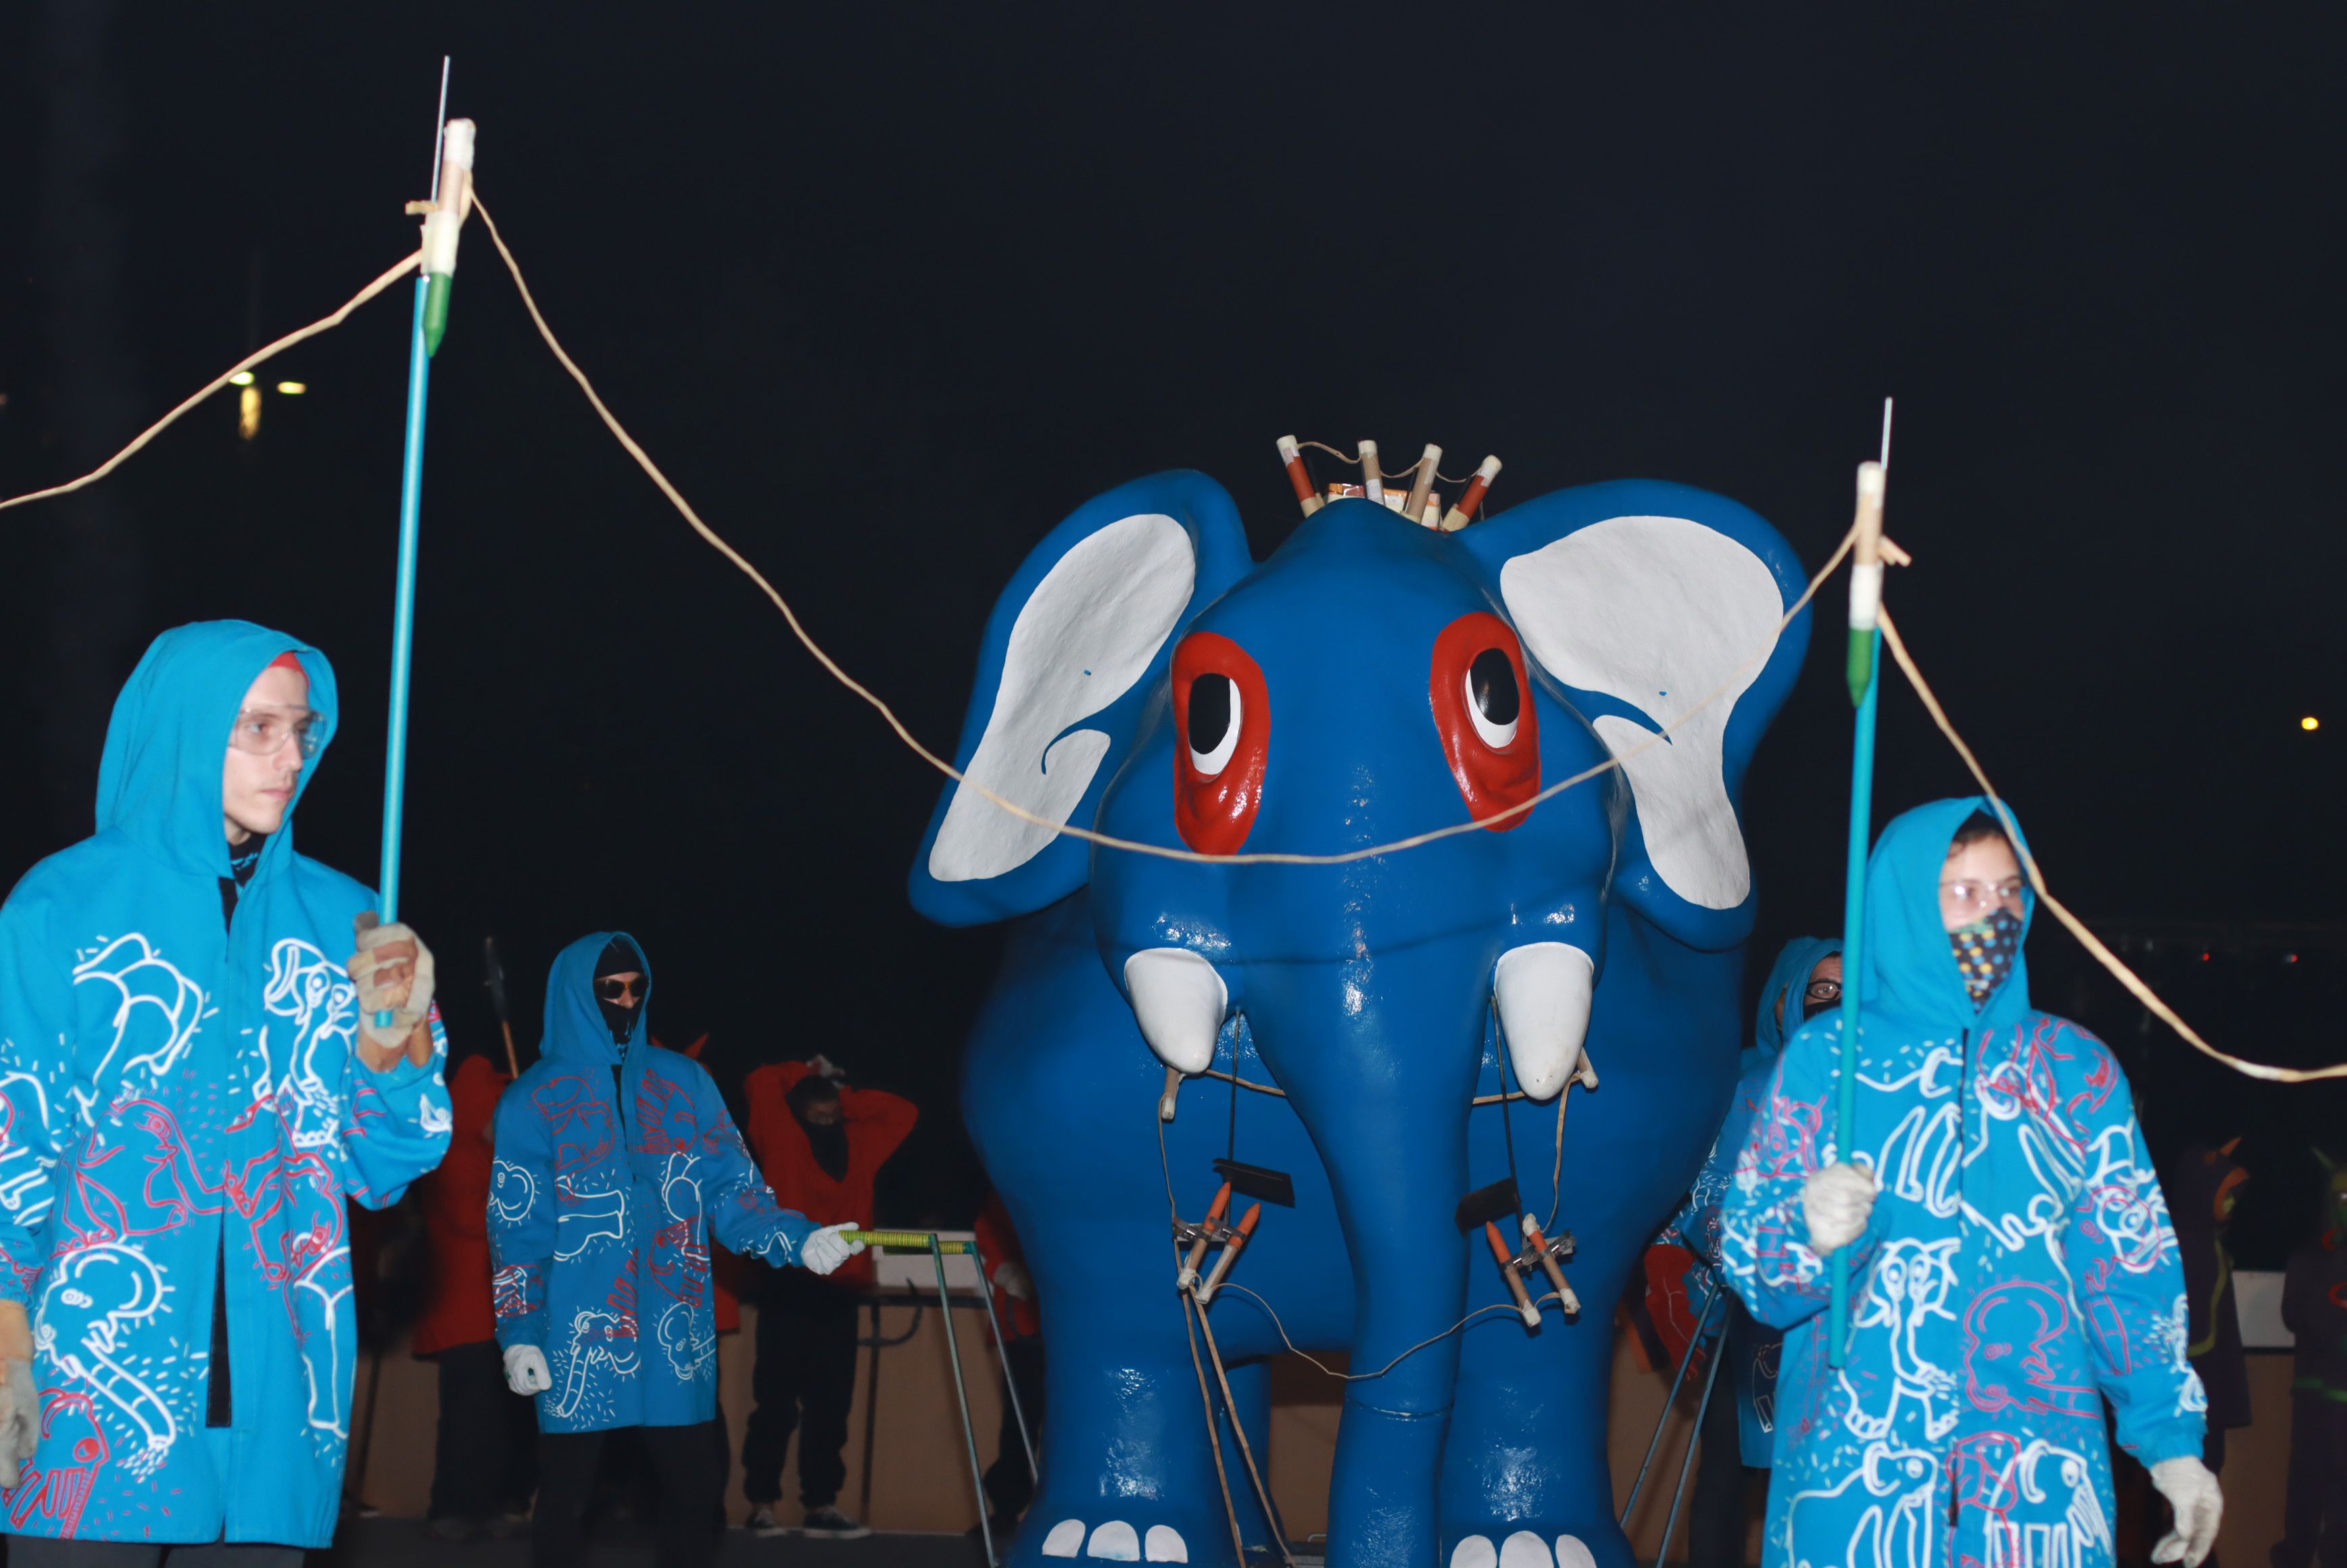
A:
{"points": [[1082, 639], [1658, 613]]}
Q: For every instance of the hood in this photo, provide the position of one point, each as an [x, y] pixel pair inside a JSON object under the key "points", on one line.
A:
{"points": [[575, 1030], [159, 778], [1788, 979], [1911, 973]]}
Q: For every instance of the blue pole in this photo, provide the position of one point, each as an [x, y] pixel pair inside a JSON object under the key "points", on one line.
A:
{"points": [[1853, 941], [403, 623]]}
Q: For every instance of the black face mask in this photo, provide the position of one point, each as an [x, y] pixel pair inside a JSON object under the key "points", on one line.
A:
{"points": [[829, 1143], [619, 958]]}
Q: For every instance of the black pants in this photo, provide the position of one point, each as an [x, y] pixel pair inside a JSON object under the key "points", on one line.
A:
{"points": [[2314, 1516], [486, 1462], [37, 1551], [806, 1371], [1009, 1485], [681, 1456], [1718, 1519]]}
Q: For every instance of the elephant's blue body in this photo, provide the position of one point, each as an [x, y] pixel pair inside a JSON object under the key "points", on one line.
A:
{"points": [[1365, 991]]}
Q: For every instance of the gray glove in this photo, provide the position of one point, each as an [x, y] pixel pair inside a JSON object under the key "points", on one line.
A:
{"points": [[1837, 1202], [394, 973], [2199, 1506], [20, 1420], [525, 1370]]}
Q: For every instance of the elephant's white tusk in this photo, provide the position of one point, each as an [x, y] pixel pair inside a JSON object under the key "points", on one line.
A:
{"points": [[1179, 1002], [1543, 990]]}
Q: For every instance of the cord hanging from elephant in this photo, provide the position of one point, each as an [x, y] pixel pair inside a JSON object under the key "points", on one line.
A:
{"points": [[1143, 675]]}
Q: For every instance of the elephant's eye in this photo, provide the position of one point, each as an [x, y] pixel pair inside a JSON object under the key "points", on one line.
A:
{"points": [[1214, 723], [1485, 718], [1222, 710], [1493, 699]]}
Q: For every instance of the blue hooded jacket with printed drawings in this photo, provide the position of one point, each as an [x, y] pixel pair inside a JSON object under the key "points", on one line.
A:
{"points": [[183, 1103], [2017, 1270], [1753, 1349], [601, 1209]]}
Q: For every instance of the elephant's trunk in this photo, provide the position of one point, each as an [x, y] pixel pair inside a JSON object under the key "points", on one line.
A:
{"points": [[1378, 1057]]}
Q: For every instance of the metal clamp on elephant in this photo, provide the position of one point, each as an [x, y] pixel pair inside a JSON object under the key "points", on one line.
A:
{"points": [[1373, 679]]}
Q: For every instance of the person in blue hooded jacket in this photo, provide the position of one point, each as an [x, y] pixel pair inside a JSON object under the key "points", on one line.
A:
{"points": [[196, 1074], [616, 1162], [1739, 1426], [2012, 1264]]}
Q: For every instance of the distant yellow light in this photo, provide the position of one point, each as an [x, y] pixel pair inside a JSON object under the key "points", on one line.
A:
{"points": [[292, 388], [2310, 722], [241, 378], [248, 413]]}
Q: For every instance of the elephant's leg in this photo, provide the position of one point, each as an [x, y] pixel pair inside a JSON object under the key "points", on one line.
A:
{"points": [[1525, 1482], [1128, 1467]]}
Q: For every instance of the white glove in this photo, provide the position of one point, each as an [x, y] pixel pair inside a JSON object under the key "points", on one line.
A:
{"points": [[829, 1248], [394, 973], [2199, 1507], [525, 1370], [1012, 1278], [825, 1068], [1836, 1201], [20, 1420]]}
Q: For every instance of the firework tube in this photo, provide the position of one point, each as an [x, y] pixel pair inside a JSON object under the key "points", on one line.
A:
{"points": [[1507, 1259], [1232, 1244], [1205, 1238], [1549, 1264], [1373, 484], [1865, 580], [910, 1241], [451, 205], [1309, 499], [1429, 460], [1460, 515]]}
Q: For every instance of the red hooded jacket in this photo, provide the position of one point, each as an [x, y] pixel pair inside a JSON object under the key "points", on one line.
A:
{"points": [[455, 1202], [876, 1123]]}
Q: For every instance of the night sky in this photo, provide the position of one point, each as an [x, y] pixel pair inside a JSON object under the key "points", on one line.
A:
{"points": [[889, 289]]}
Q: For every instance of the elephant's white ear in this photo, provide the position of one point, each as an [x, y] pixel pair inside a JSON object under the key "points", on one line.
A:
{"points": [[1084, 638], [1658, 613]]}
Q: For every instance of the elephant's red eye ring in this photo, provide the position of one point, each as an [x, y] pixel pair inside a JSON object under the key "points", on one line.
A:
{"points": [[1222, 739], [1482, 700]]}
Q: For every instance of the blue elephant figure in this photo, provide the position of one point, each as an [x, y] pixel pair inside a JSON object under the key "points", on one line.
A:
{"points": [[1372, 680]]}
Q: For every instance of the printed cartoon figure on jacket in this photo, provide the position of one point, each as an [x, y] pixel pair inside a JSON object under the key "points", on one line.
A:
{"points": [[191, 1087], [616, 1162], [2011, 1262]]}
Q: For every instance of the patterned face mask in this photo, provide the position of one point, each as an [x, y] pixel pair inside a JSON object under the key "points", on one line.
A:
{"points": [[1984, 952]]}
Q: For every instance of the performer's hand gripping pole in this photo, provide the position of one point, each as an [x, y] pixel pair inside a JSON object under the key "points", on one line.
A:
{"points": [[444, 216], [1865, 644]]}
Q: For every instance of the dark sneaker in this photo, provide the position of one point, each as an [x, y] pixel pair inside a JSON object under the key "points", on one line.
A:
{"points": [[761, 1523], [451, 1529], [827, 1524]]}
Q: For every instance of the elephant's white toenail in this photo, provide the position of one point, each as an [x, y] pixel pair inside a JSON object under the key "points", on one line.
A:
{"points": [[1165, 1545], [1572, 1553], [1116, 1541], [1474, 1552], [1066, 1537], [1523, 1550]]}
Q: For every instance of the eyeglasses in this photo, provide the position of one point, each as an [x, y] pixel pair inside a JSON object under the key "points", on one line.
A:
{"points": [[1824, 992], [621, 987], [263, 731], [1984, 896]]}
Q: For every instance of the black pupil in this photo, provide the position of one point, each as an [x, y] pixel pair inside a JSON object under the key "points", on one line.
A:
{"points": [[1492, 679], [1210, 712]]}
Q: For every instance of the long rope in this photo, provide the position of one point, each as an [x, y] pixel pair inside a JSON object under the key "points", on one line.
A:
{"points": [[2077, 927], [888, 715], [259, 355]]}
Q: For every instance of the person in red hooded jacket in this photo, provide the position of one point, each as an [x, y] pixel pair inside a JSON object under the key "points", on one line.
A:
{"points": [[485, 1467], [820, 1143]]}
